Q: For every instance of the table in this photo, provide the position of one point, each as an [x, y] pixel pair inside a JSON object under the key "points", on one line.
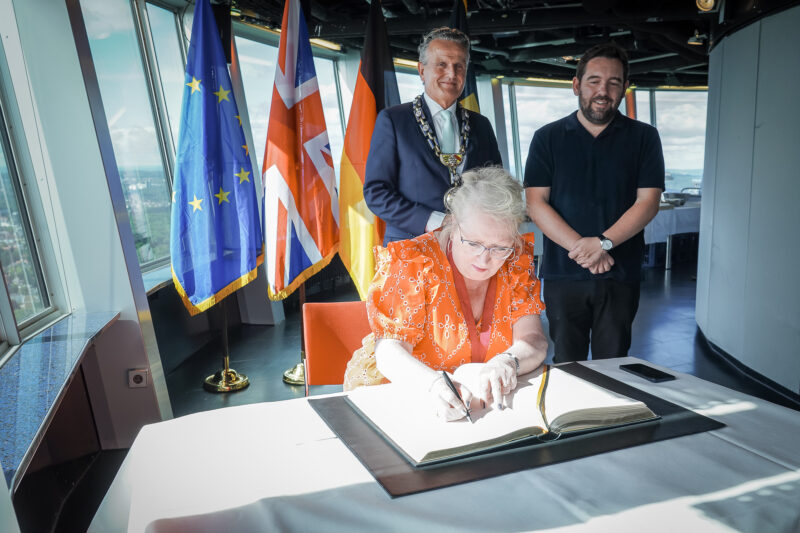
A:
{"points": [[672, 221], [277, 467]]}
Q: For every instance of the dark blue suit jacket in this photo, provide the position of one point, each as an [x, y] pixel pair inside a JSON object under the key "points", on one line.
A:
{"points": [[405, 182]]}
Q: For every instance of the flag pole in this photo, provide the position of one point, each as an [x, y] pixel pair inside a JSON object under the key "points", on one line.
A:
{"points": [[297, 374], [227, 379], [208, 265]]}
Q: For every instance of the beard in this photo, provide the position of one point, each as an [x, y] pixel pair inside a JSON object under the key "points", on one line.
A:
{"points": [[598, 117]]}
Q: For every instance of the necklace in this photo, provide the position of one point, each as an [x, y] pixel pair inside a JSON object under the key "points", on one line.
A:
{"points": [[451, 161], [479, 330]]}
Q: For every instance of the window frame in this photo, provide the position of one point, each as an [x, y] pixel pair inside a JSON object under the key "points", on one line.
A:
{"points": [[653, 100], [520, 153], [158, 105], [148, 58], [152, 74], [12, 332]]}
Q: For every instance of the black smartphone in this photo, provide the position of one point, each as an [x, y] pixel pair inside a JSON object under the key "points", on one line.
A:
{"points": [[647, 372]]}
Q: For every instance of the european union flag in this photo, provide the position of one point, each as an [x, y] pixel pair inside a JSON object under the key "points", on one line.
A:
{"points": [[216, 241]]}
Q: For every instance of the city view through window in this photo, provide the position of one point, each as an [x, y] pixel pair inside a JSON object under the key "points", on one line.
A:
{"points": [[17, 257]]}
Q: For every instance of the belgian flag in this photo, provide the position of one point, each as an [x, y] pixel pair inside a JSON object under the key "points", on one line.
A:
{"points": [[376, 88], [458, 20]]}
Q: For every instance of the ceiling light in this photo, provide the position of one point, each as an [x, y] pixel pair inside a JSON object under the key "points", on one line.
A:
{"points": [[705, 5], [400, 62], [697, 39], [325, 44], [549, 82]]}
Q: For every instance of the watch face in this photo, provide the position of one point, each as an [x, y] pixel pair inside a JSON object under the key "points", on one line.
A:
{"points": [[606, 244]]}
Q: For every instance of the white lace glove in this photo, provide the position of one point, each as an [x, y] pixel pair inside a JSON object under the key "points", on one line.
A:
{"points": [[445, 403], [490, 382]]}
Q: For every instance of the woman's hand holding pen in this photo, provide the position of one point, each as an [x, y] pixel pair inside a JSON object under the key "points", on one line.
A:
{"points": [[445, 402]]}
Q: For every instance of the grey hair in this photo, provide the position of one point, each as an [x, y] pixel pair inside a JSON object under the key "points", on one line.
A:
{"points": [[445, 34], [491, 191]]}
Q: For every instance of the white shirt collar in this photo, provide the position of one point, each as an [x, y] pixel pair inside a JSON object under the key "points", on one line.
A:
{"points": [[435, 107]]}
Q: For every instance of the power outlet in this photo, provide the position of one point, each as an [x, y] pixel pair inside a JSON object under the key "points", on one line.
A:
{"points": [[137, 377]]}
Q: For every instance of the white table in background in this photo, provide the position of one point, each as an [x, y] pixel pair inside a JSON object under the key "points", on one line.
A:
{"points": [[277, 467], [673, 221]]}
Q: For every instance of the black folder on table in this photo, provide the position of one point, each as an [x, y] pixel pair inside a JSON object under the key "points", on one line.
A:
{"points": [[399, 478]]}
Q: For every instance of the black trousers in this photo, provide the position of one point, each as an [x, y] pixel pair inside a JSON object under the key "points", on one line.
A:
{"points": [[600, 309]]}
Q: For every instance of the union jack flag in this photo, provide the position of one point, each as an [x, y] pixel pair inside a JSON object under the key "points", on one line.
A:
{"points": [[301, 208]]}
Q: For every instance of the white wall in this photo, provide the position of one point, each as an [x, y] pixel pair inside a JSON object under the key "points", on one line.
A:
{"points": [[748, 290]]}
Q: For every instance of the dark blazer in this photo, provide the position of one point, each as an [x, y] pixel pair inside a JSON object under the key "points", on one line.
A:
{"points": [[405, 182]]}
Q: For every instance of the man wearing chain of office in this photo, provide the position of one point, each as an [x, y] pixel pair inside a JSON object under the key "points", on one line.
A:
{"points": [[419, 149]]}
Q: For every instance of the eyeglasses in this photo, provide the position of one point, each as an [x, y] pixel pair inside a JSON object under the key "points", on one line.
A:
{"points": [[477, 249]]}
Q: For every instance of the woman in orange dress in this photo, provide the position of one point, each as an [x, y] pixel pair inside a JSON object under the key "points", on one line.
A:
{"points": [[462, 299]]}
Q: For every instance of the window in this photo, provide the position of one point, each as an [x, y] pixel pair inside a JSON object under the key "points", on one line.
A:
{"points": [[326, 78], [18, 257], [171, 65], [511, 132], [345, 92], [129, 111], [643, 105], [681, 122], [409, 85], [680, 119], [537, 106], [257, 61]]}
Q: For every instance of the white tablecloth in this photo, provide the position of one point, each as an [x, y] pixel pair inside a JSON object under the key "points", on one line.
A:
{"points": [[684, 219], [277, 467]]}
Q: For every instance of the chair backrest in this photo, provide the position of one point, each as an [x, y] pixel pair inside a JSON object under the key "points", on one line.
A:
{"points": [[332, 332]]}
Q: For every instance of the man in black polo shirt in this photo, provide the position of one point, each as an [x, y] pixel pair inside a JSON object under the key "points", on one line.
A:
{"points": [[593, 181]]}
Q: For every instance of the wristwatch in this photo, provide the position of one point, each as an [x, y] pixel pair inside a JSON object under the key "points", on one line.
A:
{"points": [[605, 243], [514, 357]]}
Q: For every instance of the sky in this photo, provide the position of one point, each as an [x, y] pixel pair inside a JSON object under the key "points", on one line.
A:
{"points": [[120, 74]]}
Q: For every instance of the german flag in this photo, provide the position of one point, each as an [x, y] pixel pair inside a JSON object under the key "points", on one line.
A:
{"points": [[458, 20], [376, 88]]}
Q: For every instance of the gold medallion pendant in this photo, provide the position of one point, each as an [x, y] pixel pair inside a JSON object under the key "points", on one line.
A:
{"points": [[451, 161]]}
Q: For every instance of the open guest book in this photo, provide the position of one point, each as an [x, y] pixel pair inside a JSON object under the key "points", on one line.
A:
{"points": [[546, 404]]}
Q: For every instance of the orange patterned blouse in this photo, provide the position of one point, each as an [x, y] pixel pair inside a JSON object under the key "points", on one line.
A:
{"points": [[413, 298]]}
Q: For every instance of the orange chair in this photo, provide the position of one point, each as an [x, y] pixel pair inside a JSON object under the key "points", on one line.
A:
{"points": [[332, 331]]}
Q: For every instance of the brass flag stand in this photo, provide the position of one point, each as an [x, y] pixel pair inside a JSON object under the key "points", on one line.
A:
{"points": [[227, 379], [297, 374]]}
